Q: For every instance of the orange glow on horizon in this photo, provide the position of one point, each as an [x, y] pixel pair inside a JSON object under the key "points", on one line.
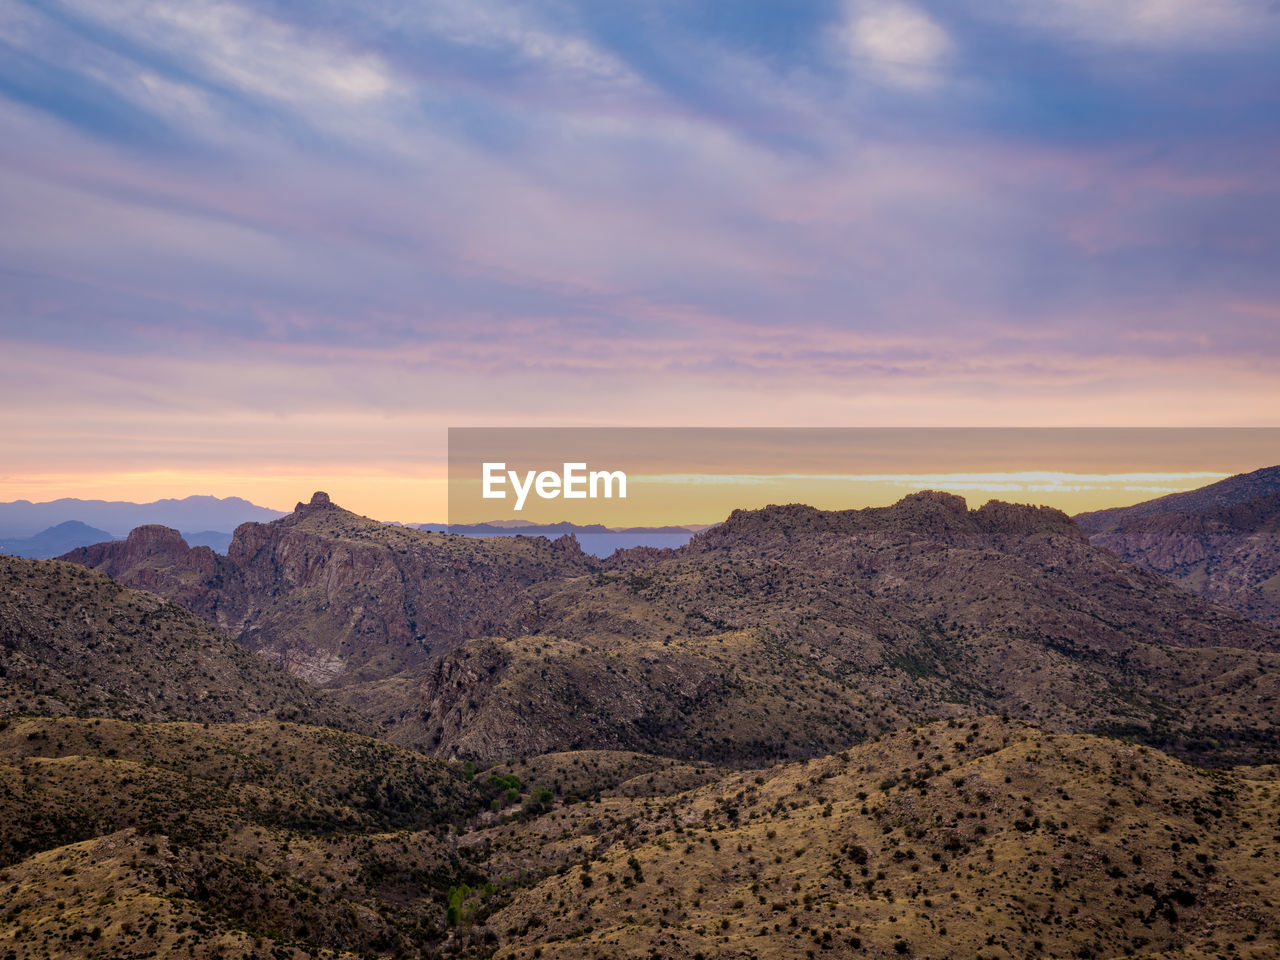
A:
{"points": [[424, 499]]}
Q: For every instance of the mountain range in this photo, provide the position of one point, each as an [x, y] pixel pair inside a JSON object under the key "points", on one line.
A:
{"points": [[921, 730], [594, 538], [22, 518], [46, 530], [54, 541], [780, 633]]}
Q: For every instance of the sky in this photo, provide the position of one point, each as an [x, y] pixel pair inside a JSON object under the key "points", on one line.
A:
{"points": [[676, 476], [260, 249]]}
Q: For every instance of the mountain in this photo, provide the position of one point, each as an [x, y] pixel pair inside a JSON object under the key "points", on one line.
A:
{"points": [[880, 733], [337, 598], [22, 518], [215, 540], [1224, 493], [1228, 554], [781, 633], [789, 631], [54, 541], [76, 642], [594, 538]]}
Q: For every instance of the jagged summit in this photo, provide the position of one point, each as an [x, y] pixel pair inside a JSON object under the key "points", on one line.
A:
{"points": [[333, 595], [319, 501], [930, 513]]}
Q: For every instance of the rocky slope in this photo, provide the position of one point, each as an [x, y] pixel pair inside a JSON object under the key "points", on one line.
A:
{"points": [[73, 641], [1224, 493], [1229, 554], [337, 598], [789, 632]]}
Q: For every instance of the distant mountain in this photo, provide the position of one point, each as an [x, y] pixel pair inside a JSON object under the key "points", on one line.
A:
{"points": [[55, 541], [1224, 493], [22, 518], [215, 540], [594, 538], [1214, 544], [75, 642]]}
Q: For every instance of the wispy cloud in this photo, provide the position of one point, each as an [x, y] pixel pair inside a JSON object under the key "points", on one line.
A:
{"points": [[876, 210], [1196, 24], [253, 54]]}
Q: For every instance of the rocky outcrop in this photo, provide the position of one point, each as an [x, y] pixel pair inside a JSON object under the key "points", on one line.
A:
{"points": [[930, 514], [338, 598], [1230, 554]]}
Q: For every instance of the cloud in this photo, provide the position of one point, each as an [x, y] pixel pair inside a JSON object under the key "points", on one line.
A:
{"points": [[1195, 24], [469, 211], [897, 42], [246, 51]]}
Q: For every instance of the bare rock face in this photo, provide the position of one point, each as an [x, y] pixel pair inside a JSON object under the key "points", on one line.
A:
{"points": [[158, 559], [319, 501], [1227, 554], [338, 598]]}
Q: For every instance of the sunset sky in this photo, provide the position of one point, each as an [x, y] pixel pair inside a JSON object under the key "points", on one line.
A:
{"points": [[262, 249]]}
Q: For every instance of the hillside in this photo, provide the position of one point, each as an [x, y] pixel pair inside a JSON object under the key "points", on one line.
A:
{"points": [[980, 838], [1228, 554], [73, 641], [1225, 493], [226, 840], [790, 632], [334, 597]]}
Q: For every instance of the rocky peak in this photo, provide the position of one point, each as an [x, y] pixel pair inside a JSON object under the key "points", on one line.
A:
{"points": [[319, 501], [152, 540], [929, 510], [567, 543], [329, 594], [932, 501]]}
